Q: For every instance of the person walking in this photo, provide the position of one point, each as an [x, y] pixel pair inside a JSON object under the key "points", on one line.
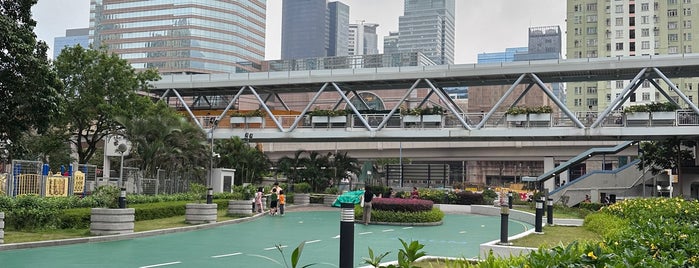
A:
{"points": [[282, 202], [273, 202], [367, 197], [258, 200]]}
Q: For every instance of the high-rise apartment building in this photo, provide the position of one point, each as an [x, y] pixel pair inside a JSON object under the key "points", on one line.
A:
{"points": [[428, 26], [627, 28], [314, 28], [73, 37], [390, 43], [195, 36], [363, 39]]}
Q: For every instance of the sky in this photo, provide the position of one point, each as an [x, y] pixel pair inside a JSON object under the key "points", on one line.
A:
{"points": [[481, 25]]}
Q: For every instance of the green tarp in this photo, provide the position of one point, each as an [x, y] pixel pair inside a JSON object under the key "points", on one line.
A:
{"points": [[353, 197]]}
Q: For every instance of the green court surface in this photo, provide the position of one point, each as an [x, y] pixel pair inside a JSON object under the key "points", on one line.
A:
{"points": [[252, 244]]}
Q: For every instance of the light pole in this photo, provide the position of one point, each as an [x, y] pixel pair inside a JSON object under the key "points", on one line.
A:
{"points": [[5, 142], [122, 149], [369, 178]]}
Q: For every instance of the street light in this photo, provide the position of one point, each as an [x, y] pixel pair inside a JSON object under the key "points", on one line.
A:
{"points": [[121, 149], [5, 142], [369, 178]]}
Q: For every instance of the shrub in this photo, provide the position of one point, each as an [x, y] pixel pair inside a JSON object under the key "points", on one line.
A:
{"points": [[434, 195], [468, 198], [432, 215], [605, 225], [105, 196], [591, 206], [75, 218], [303, 188], [31, 212], [399, 204]]}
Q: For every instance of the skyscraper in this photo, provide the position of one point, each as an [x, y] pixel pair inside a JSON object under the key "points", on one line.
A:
{"points": [[363, 39], [195, 36], [390, 43], [314, 28], [428, 26], [73, 37], [599, 28]]}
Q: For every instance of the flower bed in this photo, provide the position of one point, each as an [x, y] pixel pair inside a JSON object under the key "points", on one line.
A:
{"points": [[400, 204]]}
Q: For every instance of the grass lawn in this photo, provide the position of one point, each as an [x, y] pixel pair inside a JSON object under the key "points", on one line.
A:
{"points": [[139, 226], [561, 213], [555, 235]]}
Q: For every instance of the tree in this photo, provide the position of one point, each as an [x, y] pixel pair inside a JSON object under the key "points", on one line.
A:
{"points": [[671, 153], [345, 165], [290, 166], [248, 161], [29, 89], [99, 87]]}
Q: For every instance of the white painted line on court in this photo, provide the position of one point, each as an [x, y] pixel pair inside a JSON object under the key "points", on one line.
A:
{"points": [[313, 241], [462, 232], [226, 255], [365, 233], [161, 264], [336, 237], [388, 230], [283, 246], [405, 228]]}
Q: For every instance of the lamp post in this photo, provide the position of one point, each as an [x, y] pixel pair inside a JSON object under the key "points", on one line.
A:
{"points": [[369, 178], [122, 149], [5, 142]]}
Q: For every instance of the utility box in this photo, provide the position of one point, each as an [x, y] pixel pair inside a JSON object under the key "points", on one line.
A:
{"points": [[223, 180]]}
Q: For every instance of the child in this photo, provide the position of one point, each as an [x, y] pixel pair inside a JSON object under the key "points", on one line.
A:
{"points": [[273, 199], [282, 202], [258, 200]]}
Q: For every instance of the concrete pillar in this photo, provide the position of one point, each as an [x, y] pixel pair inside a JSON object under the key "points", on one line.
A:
{"points": [[549, 165]]}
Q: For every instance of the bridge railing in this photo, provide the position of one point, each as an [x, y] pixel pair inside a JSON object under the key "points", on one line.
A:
{"points": [[450, 121]]}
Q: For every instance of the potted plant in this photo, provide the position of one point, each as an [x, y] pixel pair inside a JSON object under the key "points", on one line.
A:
{"points": [[516, 114], [197, 213], [423, 114], [658, 111], [328, 116], [539, 113], [247, 117]]}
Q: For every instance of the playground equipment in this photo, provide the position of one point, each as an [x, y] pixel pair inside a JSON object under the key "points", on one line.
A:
{"points": [[34, 177]]}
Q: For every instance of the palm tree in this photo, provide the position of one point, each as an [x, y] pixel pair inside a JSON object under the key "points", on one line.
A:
{"points": [[345, 165], [250, 162], [290, 167]]}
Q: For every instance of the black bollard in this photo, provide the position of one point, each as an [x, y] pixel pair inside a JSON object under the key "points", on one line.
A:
{"points": [[504, 221], [347, 235], [549, 213], [122, 198], [210, 196], [538, 221], [509, 200]]}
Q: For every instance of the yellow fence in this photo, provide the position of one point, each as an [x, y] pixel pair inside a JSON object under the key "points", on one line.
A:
{"points": [[28, 184]]}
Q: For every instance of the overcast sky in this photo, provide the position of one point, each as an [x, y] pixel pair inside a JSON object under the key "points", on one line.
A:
{"points": [[481, 25]]}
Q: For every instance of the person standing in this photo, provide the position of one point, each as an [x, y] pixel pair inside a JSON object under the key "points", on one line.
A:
{"points": [[273, 202], [258, 200], [414, 194], [367, 197], [282, 202]]}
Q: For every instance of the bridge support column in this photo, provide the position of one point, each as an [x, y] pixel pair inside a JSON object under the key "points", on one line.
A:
{"points": [[549, 165]]}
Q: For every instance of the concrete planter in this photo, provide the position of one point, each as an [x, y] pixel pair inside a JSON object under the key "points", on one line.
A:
{"points": [[546, 117], [108, 221], [302, 199], [516, 117], [641, 116], [432, 118], [316, 119], [663, 115], [240, 207], [411, 119], [246, 120], [2, 228], [200, 213], [328, 200]]}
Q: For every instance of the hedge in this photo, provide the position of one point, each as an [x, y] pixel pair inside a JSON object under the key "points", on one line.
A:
{"points": [[433, 215], [403, 205]]}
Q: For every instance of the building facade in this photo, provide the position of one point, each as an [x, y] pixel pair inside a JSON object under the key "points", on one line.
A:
{"points": [[338, 32], [390, 43], [428, 26], [73, 37], [363, 39], [598, 28], [196, 36], [314, 28]]}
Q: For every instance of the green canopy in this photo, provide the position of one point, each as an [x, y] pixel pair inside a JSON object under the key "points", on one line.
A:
{"points": [[354, 197]]}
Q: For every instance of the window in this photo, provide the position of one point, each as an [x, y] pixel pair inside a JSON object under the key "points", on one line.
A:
{"points": [[619, 33], [619, 21], [591, 42], [687, 36], [576, 43], [609, 97], [578, 90], [646, 84], [577, 19], [688, 86], [645, 96], [577, 8], [645, 32], [671, 2], [591, 18], [687, 24], [672, 12], [591, 30], [619, 9], [591, 7], [687, 11], [672, 50], [619, 84], [591, 90], [619, 46], [577, 31], [645, 20], [687, 1], [672, 25], [672, 37], [592, 53], [592, 102], [577, 102], [645, 44], [688, 49], [644, 7]]}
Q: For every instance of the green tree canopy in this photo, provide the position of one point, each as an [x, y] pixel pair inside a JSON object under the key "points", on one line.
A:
{"points": [[99, 87], [249, 162], [671, 153], [29, 98]]}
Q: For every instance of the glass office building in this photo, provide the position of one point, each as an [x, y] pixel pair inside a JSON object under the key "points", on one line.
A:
{"points": [[428, 26], [176, 36]]}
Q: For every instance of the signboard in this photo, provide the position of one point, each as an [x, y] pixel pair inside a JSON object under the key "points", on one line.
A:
{"points": [[111, 145], [528, 179]]}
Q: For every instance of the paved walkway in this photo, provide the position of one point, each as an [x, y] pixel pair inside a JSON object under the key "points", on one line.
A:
{"points": [[252, 243]]}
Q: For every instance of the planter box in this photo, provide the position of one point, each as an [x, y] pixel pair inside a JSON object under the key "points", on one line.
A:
{"points": [[328, 200], [302, 199], [411, 119], [320, 119], [200, 213], [642, 116], [240, 207], [516, 117], [540, 117], [663, 115], [432, 118], [246, 120], [109, 221]]}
